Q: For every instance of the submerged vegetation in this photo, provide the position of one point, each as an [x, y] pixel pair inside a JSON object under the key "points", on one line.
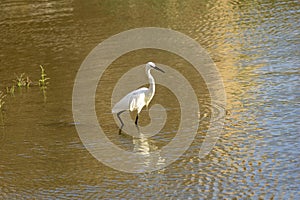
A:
{"points": [[10, 90], [43, 82], [21, 81], [2, 97], [24, 81]]}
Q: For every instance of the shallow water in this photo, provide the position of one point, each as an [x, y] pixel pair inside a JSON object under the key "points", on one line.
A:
{"points": [[255, 46]]}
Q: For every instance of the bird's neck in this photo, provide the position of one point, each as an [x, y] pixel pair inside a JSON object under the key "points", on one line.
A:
{"points": [[151, 82]]}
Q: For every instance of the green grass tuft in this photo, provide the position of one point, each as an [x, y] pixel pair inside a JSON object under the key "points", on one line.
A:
{"points": [[43, 82], [2, 97], [21, 81], [10, 90]]}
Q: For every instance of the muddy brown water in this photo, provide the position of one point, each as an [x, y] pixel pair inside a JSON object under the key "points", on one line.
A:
{"points": [[255, 45]]}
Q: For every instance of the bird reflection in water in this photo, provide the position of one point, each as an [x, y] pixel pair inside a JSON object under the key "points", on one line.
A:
{"points": [[148, 152]]}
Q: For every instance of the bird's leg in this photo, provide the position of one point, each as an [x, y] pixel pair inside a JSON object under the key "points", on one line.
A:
{"points": [[136, 122], [122, 124], [136, 119]]}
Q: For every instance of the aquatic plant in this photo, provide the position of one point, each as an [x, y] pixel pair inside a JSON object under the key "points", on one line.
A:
{"points": [[10, 90], [43, 82], [28, 81], [24, 81], [2, 97], [21, 81]]}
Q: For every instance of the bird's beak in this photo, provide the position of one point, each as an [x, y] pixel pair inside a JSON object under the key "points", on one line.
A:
{"points": [[159, 69]]}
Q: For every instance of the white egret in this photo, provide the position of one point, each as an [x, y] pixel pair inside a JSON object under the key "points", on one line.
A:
{"points": [[137, 99]]}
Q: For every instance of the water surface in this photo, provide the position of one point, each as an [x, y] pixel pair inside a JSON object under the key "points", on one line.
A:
{"points": [[255, 45]]}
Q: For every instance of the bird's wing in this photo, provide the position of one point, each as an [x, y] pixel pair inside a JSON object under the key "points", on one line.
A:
{"points": [[124, 103], [137, 100]]}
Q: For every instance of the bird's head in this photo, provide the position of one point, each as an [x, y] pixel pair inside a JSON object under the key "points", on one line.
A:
{"points": [[151, 65]]}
